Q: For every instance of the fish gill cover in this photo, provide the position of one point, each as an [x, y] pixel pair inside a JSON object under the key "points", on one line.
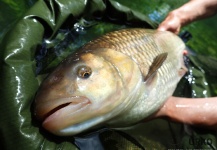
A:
{"points": [[36, 39]]}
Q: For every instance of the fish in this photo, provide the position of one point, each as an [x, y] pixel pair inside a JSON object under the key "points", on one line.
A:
{"points": [[115, 81]]}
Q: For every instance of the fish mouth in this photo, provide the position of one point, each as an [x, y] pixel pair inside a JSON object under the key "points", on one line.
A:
{"points": [[55, 110], [74, 103]]}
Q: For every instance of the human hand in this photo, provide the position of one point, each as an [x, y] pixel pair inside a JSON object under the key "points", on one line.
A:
{"points": [[185, 14], [171, 23]]}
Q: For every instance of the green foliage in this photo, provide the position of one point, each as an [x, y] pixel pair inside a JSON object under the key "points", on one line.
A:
{"points": [[204, 36]]}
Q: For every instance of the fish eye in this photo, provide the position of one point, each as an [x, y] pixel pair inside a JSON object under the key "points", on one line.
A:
{"points": [[84, 72]]}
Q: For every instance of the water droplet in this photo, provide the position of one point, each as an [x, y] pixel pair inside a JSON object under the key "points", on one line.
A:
{"points": [[205, 92]]}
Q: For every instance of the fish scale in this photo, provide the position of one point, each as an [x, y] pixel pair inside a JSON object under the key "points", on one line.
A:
{"points": [[134, 43], [115, 80], [142, 45]]}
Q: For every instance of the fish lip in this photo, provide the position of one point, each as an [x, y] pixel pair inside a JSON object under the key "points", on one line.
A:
{"points": [[52, 111], [76, 107], [66, 101]]}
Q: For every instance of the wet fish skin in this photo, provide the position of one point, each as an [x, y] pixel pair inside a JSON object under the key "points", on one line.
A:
{"points": [[116, 80]]}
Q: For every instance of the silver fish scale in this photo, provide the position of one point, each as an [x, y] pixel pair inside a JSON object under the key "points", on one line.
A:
{"points": [[137, 43], [133, 98], [143, 46]]}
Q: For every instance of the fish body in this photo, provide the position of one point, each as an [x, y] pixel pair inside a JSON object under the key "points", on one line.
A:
{"points": [[116, 80]]}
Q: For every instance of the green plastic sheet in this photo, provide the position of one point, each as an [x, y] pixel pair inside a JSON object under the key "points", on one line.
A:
{"points": [[18, 79], [21, 74]]}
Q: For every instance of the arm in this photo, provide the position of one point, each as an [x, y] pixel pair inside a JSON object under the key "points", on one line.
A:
{"points": [[195, 111], [191, 11]]}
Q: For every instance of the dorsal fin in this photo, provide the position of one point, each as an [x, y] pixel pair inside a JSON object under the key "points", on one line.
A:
{"points": [[158, 61]]}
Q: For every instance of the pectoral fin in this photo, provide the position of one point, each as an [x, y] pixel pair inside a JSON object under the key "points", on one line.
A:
{"points": [[158, 61]]}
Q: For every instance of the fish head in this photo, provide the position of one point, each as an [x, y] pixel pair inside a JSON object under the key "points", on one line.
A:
{"points": [[83, 91]]}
